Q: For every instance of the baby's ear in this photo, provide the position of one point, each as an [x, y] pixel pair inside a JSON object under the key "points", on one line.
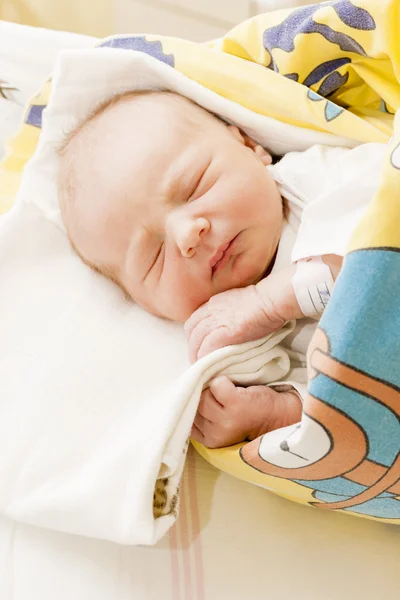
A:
{"points": [[247, 141]]}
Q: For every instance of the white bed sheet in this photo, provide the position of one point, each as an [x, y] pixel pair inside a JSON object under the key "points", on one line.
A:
{"points": [[232, 540]]}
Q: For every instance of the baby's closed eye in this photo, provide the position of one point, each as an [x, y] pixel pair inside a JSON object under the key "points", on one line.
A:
{"points": [[202, 184], [155, 264]]}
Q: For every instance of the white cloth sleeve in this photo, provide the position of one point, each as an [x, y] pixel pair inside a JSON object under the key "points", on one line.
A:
{"points": [[350, 184], [328, 190]]}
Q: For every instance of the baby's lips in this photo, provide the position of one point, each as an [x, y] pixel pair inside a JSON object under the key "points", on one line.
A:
{"points": [[216, 258], [218, 255]]}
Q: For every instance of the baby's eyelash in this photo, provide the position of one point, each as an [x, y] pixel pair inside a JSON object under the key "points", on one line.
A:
{"points": [[157, 256], [154, 262], [199, 180], [194, 188], [159, 253]]}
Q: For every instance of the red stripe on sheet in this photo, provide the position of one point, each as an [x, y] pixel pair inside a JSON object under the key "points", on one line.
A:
{"points": [[173, 553], [195, 518], [184, 535]]}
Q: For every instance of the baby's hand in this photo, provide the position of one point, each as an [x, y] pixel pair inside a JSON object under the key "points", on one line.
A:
{"points": [[232, 317], [228, 414]]}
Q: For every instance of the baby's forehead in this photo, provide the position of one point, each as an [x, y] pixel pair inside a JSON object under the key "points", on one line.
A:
{"points": [[126, 146], [150, 110], [144, 127]]}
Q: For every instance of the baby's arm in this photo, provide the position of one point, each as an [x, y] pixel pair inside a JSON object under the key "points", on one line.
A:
{"points": [[278, 294], [228, 414]]}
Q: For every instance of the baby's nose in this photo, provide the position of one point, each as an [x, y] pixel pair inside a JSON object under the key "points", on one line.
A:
{"points": [[191, 234]]}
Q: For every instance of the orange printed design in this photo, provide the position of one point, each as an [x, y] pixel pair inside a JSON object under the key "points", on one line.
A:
{"points": [[330, 448]]}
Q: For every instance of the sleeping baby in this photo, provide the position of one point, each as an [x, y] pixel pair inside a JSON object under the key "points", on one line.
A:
{"points": [[190, 217]]}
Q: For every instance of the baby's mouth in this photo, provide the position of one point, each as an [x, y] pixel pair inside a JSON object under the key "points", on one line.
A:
{"points": [[221, 256]]}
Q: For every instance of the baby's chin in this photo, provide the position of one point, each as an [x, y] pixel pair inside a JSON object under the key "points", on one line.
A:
{"points": [[250, 274]]}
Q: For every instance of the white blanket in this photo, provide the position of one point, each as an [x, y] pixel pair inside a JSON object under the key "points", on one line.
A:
{"points": [[92, 417], [27, 56]]}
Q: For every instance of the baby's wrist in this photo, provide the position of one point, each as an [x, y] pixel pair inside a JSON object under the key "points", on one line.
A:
{"points": [[273, 318], [281, 408], [278, 297]]}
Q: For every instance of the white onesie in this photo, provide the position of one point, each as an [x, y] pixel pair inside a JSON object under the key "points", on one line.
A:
{"points": [[326, 191]]}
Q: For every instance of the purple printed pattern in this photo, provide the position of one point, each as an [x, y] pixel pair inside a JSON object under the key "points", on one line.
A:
{"points": [[331, 83], [141, 44], [353, 16], [324, 69], [292, 76], [34, 116], [301, 21]]}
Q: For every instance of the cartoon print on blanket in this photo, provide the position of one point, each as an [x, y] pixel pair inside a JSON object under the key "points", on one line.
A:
{"points": [[347, 447], [395, 157], [333, 79], [306, 20], [301, 21], [34, 116], [331, 110], [342, 459], [140, 43], [34, 113]]}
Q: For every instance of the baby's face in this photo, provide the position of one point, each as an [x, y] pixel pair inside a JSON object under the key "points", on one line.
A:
{"points": [[179, 206]]}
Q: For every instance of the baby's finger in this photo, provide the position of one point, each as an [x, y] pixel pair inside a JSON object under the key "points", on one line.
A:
{"points": [[201, 423], [199, 315], [217, 338], [266, 159], [209, 407], [202, 330], [259, 150], [197, 435], [222, 389]]}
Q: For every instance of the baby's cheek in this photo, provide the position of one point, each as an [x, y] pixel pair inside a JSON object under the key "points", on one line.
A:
{"points": [[178, 301]]}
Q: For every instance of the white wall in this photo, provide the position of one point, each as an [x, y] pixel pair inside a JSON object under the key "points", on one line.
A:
{"points": [[198, 20]]}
